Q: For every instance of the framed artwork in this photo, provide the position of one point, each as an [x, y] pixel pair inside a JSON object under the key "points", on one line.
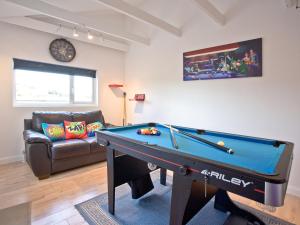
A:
{"points": [[240, 59]]}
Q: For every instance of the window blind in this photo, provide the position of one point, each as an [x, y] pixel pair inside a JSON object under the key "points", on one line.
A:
{"points": [[52, 68]]}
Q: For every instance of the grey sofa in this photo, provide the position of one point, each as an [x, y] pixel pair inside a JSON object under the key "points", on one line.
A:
{"points": [[46, 157]]}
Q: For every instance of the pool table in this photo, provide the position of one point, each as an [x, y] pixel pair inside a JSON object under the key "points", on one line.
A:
{"points": [[258, 169]]}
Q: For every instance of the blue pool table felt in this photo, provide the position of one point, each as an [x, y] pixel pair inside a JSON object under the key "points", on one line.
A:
{"points": [[258, 155]]}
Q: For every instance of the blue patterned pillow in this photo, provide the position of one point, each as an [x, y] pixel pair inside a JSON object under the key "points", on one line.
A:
{"points": [[54, 132]]}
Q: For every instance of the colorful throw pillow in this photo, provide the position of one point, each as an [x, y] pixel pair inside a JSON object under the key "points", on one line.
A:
{"points": [[55, 132], [75, 130], [92, 127]]}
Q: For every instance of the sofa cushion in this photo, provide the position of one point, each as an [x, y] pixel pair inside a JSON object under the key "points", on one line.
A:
{"points": [[88, 117], [48, 117], [75, 130], [55, 132], [94, 146], [93, 127], [70, 148]]}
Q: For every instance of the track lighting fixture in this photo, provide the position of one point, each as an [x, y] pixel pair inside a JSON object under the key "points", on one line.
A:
{"points": [[90, 36], [75, 33]]}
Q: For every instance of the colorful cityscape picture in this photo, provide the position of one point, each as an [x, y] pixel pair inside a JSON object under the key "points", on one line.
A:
{"points": [[241, 59]]}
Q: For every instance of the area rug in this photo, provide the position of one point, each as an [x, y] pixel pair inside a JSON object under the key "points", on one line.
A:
{"points": [[153, 209]]}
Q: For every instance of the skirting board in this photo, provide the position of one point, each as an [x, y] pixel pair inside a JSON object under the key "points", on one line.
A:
{"points": [[10, 159], [293, 190]]}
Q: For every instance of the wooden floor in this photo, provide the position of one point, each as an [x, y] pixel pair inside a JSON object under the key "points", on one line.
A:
{"points": [[53, 199]]}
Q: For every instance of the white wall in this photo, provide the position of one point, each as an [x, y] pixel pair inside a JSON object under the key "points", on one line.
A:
{"points": [[267, 106], [32, 45]]}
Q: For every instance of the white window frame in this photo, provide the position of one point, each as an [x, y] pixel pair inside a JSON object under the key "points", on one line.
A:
{"points": [[94, 102]]}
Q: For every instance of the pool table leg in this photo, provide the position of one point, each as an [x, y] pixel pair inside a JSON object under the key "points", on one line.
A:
{"points": [[163, 176], [110, 155], [224, 203], [181, 191], [188, 198]]}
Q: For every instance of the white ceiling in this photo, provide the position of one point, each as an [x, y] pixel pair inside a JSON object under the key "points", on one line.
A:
{"points": [[86, 5], [77, 5], [140, 20], [9, 10]]}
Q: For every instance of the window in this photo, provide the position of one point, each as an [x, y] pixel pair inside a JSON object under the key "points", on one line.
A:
{"points": [[38, 84]]}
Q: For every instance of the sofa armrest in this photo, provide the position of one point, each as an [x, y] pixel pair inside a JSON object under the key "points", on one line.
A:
{"points": [[27, 124], [38, 153], [39, 159], [31, 137]]}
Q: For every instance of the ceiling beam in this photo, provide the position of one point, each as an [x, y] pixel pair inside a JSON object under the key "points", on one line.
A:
{"points": [[212, 11], [91, 24], [63, 32], [136, 13]]}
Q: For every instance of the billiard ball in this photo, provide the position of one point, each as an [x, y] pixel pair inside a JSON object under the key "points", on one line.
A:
{"points": [[221, 143]]}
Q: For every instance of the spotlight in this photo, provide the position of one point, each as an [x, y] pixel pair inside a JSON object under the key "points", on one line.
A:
{"points": [[75, 33], [59, 28], [90, 36]]}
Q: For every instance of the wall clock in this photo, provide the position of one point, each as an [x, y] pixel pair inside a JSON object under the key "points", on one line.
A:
{"points": [[62, 50]]}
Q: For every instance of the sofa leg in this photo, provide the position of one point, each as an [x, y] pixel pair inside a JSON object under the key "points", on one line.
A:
{"points": [[44, 177]]}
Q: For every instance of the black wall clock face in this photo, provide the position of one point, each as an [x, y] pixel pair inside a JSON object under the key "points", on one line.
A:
{"points": [[62, 50]]}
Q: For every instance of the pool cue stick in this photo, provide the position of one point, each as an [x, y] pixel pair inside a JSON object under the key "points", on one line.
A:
{"points": [[124, 108], [219, 147], [173, 139]]}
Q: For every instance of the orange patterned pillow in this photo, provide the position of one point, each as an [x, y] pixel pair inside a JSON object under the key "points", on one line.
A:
{"points": [[92, 127], [75, 130]]}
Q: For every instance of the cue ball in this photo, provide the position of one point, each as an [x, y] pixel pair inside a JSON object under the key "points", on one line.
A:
{"points": [[221, 143]]}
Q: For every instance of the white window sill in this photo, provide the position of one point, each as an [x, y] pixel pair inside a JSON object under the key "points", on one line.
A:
{"points": [[47, 105]]}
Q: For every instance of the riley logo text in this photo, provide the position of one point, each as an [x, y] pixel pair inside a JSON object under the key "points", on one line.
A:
{"points": [[223, 177]]}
